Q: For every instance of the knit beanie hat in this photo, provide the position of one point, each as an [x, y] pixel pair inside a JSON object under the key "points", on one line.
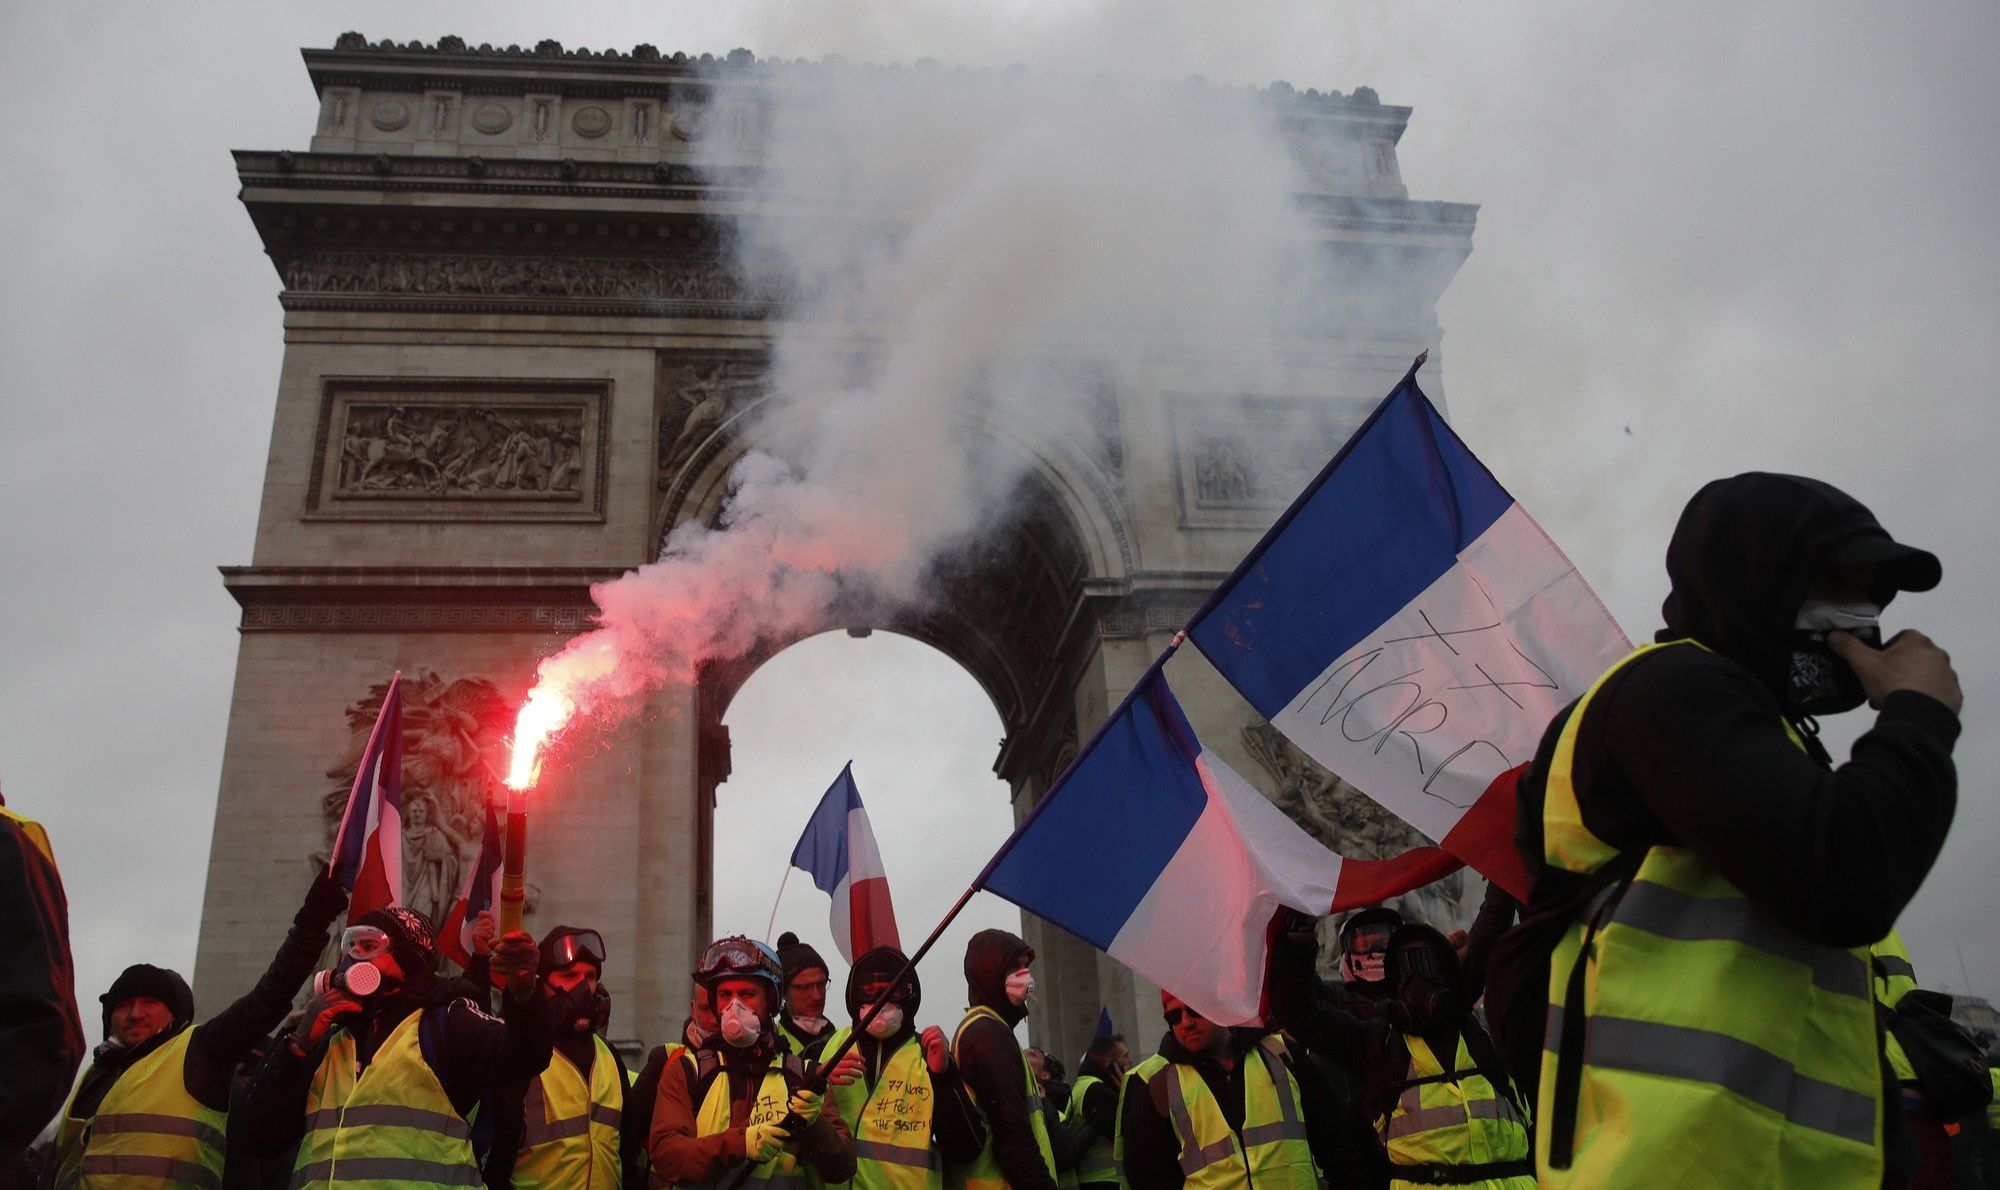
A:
{"points": [[795, 956]]}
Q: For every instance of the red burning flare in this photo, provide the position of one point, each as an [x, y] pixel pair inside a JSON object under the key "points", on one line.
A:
{"points": [[544, 714]]}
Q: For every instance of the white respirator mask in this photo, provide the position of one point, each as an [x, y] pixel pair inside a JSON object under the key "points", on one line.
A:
{"points": [[887, 1022], [740, 1025], [1020, 987]]}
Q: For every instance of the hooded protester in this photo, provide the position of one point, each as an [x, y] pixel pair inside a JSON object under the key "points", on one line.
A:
{"points": [[155, 1100], [378, 1081], [803, 1022], [899, 1092], [1017, 1151], [1215, 1109], [735, 1102], [563, 1129], [1715, 880]]}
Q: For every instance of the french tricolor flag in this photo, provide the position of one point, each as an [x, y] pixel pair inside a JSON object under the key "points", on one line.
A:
{"points": [[368, 850], [838, 850], [1156, 852], [1410, 627], [480, 894]]}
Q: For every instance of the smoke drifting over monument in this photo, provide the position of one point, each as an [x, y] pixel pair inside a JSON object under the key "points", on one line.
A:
{"points": [[977, 234]]}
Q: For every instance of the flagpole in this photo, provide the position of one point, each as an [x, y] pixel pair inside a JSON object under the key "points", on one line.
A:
{"points": [[773, 923]]}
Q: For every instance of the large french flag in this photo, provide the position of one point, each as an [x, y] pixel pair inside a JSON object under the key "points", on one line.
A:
{"points": [[480, 893], [368, 850], [1410, 627], [838, 850], [1157, 853]]}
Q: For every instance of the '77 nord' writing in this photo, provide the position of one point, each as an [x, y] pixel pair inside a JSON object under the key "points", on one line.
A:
{"points": [[1412, 692]]}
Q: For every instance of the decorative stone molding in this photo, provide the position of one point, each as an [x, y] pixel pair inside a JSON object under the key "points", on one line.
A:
{"points": [[348, 617], [1239, 460], [390, 115], [456, 274], [431, 449]]}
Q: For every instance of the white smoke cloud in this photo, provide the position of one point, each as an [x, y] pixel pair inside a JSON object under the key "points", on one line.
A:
{"points": [[951, 242]]}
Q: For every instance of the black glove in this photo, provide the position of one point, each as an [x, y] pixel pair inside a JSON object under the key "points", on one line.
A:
{"points": [[515, 962], [325, 900], [321, 1013]]}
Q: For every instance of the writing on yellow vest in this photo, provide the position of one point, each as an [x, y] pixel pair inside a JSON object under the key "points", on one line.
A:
{"points": [[774, 1092], [983, 1172], [891, 1121], [1457, 1118], [569, 1125], [1096, 1166], [390, 1127], [1680, 1009], [1271, 1150], [148, 1132]]}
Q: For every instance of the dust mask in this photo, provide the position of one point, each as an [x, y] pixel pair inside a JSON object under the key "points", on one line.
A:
{"points": [[887, 1023], [1020, 986], [740, 1025]]}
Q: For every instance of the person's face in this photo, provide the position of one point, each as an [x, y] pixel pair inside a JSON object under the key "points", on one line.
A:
{"points": [[748, 992], [1121, 1059], [136, 1019], [580, 973], [806, 992], [702, 1008], [420, 813], [1038, 1064], [1196, 1033]]}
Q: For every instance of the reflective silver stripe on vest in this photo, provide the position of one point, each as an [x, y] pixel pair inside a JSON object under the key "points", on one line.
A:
{"points": [[1762, 1077], [390, 1115], [605, 1114], [171, 1169], [1193, 1160], [127, 1121], [541, 1132], [888, 1154], [1894, 965], [1450, 1115], [1290, 1125], [1035, 1102], [391, 1169], [1270, 1134], [1096, 1162], [1671, 913]]}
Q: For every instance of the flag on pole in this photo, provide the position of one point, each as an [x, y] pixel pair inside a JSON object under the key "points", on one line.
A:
{"points": [[838, 851], [1410, 627], [368, 850], [1203, 861], [479, 894]]}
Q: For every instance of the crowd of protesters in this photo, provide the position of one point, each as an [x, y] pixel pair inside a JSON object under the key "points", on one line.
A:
{"points": [[1706, 986]]}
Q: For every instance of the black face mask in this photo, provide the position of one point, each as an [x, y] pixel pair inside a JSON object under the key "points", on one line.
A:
{"points": [[575, 1010], [1428, 1003], [1820, 683]]}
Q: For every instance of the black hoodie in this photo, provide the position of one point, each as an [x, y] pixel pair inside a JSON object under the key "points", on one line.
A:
{"points": [[990, 1061], [957, 1130], [1687, 746]]}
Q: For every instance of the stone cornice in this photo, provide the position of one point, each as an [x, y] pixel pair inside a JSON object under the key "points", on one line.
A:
{"points": [[533, 599]]}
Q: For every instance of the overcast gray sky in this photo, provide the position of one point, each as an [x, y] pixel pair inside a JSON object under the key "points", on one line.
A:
{"points": [[1713, 237]]}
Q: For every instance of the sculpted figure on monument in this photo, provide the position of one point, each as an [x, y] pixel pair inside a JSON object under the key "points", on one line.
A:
{"points": [[448, 450], [706, 395], [1351, 824]]}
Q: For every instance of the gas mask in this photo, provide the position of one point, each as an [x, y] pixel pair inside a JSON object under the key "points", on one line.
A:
{"points": [[1020, 987], [1820, 683], [887, 1023], [576, 1009], [1425, 975], [740, 1024], [356, 975]]}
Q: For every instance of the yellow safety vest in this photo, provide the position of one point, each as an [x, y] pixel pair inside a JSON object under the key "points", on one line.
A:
{"points": [[983, 1172], [1271, 1151], [1096, 1166], [1993, 1104], [1716, 1039], [1144, 1072], [148, 1132], [569, 1126], [891, 1121], [1453, 1117], [1894, 976], [800, 1043], [774, 1094], [31, 831], [389, 1127]]}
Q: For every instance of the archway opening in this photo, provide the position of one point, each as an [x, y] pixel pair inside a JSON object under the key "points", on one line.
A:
{"points": [[922, 735]]}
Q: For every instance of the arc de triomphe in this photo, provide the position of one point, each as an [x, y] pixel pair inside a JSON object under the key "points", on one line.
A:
{"points": [[514, 350]]}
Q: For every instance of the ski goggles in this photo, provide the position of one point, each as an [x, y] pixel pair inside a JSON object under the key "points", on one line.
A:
{"points": [[1370, 939], [362, 943], [586, 946], [1425, 961], [738, 956]]}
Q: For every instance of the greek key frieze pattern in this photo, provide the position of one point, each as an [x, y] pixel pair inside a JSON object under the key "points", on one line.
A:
{"points": [[380, 618]]}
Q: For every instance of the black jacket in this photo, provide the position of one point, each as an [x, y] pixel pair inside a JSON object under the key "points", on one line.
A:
{"points": [[990, 1061], [41, 1037]]}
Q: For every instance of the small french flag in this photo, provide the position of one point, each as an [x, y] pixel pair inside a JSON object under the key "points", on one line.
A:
{"points": [[368, 851], [838, 851], [480, 894]]}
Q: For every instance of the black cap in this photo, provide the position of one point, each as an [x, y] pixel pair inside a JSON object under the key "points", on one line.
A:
{"points": [[796, 956], [1902, 567], [412, 938]]}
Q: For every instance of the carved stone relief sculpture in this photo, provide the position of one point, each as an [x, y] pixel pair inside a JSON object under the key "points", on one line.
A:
{"points": [[455, 450], [699, 396], [452, 274], [454, 734]]}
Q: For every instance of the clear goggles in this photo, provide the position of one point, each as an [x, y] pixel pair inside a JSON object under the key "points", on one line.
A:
{"points": [[362, 943], [583, 946]]}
